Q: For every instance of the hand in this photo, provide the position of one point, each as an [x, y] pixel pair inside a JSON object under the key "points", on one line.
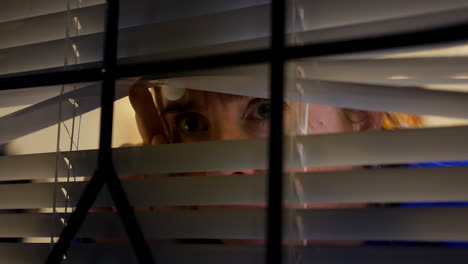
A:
{"points": [[149, 121]]}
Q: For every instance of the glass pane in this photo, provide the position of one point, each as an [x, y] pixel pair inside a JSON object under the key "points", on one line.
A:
{"points": [[50, 36], [48, 152], [175, 29], [191, 153]]}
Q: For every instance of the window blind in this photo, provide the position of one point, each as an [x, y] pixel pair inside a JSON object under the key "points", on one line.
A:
{"points": [[33, 32], [40, 190], [379, 185]]}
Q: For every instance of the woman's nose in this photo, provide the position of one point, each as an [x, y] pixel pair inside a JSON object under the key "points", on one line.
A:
{"points": [[230, 132], [227, 127]]}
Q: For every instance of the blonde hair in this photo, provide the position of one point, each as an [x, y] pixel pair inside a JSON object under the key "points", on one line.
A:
{"points": [[393, 121]]}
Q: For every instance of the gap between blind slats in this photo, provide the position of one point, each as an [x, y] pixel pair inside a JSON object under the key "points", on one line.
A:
{"points": [[43, 114], [349, 95], [400, 224], [344, 149], [227, 254], [358, 186], [341, 94]]}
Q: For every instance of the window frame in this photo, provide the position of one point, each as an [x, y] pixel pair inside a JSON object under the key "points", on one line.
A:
{"points": [[276, 56]]}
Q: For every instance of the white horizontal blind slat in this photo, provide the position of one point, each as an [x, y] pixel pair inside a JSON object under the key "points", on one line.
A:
{"points": [[326, 29], [51, 26], [11, 10], [408, 224], [30, 225], [222, 223], [20, 253], [173, 10], [29, 196], [226, 254], [390, 185], [91, 16], [328, 150], [401, 224], [324, 14], [205, 224], [358, 186], [192, 33], [39, 166], [170, 10], [419, 71], [403, 146], [172, 191], [122, 254], [202, 33], [254, 254], [232, 155], [383, 255], [208, 26], [197, 190]]}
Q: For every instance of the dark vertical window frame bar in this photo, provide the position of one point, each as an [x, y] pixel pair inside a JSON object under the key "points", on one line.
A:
{"points": [[274, 250], [105, 170], [105, 164]]}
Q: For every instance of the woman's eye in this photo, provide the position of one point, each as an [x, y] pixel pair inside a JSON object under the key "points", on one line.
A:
{"points": [[259, 109], [192, 122]]}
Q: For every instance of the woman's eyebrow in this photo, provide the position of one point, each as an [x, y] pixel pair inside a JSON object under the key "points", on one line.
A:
{"points": [[180, 107]]}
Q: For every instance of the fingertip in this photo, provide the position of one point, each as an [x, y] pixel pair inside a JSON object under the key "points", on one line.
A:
{"points": [[158, 139], [138, 92]]}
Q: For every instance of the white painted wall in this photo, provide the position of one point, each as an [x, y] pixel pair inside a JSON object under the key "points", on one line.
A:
{"points": [[45, 140]]}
